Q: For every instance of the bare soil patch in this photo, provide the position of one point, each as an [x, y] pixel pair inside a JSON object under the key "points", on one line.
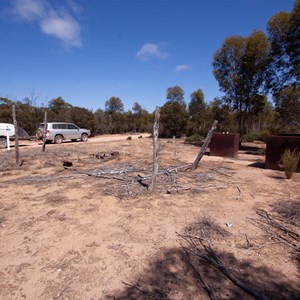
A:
{"points": [[92, 231]]}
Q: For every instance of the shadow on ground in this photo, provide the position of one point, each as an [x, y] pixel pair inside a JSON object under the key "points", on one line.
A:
{"points": [[172, 277], [258, 164], [177, 275], [253, 150]]}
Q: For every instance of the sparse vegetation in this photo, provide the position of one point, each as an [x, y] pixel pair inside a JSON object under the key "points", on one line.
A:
{"points": [[289, 162], [195, 138], [250, 137]]}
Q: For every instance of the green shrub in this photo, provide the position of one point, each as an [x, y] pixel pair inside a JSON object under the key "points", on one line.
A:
{"points": [[194, 138], [250, 137], [289, 162], [263, 134]]}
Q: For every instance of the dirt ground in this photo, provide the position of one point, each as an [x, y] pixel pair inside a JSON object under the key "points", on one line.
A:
{"points": [[93, 231]]}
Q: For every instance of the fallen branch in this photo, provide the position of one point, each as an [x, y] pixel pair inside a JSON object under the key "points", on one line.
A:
{"points": [[204, 146], [209, 290], [213, 259], [273, 221], [277, 236], [179, 189]]}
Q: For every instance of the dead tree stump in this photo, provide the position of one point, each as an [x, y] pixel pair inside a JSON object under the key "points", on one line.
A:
{"points": [[16, 136], [155, 148], [204, 146], [45, 132]]}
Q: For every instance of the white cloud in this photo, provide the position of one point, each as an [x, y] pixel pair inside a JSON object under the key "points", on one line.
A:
{"points": [[28, 10], [180, 68], [64, 28], [149, 51], [52, 21]]}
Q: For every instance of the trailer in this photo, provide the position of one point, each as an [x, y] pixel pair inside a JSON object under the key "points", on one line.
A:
{"points": [[7, 133]]}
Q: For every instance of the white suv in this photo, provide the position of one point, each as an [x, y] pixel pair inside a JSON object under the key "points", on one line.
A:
{"points": [[58, 132]]}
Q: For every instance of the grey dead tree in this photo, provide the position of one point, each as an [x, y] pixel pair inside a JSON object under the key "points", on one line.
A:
{"points": [[16, 136], [44, 133], [204, 146], [155, 148]]}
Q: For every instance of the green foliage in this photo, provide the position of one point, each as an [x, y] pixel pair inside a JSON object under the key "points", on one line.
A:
{"points": [[101, 121], [58, 104], [195, 138], [240, 66], [263, 134], [260, 136], [141, 118], [287, 103], [28, 116], [5, 110], [218, 110], [284, 36], [114, 105], [83, 118], [173, 119], [250, 137], [198, 116], [289, 161], [175, 94]]}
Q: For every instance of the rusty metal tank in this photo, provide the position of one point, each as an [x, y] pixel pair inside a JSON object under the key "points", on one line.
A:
{"points": [[276, 145], [225, 144]]}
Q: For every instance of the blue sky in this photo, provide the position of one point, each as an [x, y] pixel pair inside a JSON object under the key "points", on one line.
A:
{"points": [[87, 51]]}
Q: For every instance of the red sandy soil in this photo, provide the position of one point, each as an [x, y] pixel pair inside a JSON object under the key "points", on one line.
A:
{"points": [[67, 236]]}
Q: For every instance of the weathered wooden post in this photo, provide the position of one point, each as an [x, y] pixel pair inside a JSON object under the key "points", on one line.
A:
{"points": [[174, 146], [44, 133], [155, 148], [16, 136], [204, 146]]}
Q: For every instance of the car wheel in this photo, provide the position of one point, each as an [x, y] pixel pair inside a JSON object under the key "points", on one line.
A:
{"points": [[84, 137], [3, 142], [58, 139]]}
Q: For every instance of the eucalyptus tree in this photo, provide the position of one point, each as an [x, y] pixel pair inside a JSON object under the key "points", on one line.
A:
{"points": [[173, 114], [287, 103], [114, 105], [58, 104], [197, 109], [114, 108], [284, 72], [175, 94], [240, 67], [284, 35]]}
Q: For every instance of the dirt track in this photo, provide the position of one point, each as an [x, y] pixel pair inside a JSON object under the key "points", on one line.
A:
{"points": [[67, 235]]}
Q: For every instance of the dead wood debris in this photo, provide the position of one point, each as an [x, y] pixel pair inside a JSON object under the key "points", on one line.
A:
{"points": [[134, 179], [288, 210], [200, 248], [148, 293], [283, 230], [106, 156]]}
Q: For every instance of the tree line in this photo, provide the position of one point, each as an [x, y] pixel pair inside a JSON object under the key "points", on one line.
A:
{"points": [[247, 70]]}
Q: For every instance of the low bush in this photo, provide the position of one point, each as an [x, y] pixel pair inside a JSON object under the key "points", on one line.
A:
{"points": [[250, 137], [289, 162], [264, 134], [195, 138]]}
